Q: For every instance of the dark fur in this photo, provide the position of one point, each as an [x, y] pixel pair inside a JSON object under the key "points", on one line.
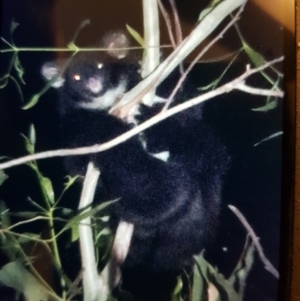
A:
{"points": [[174, 205]]}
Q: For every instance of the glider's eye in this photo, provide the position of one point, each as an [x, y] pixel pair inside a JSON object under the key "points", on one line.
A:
{"points": [[77, 77]]}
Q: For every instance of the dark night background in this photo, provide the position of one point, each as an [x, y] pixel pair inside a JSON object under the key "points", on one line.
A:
{"points": [[253, 183]]}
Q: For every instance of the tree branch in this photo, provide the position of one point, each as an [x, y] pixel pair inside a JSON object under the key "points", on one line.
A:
{"points": [[226, 88], [268, 265], [198, 35]]}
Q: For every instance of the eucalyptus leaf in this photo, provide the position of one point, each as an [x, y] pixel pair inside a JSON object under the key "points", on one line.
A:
{"points": [[32, 102], [199, 284], [72, 46], [32, 135], [28, 237], [104, 232], [3, 177], [177, 290], [48, 188], [78, 218], [67, 185], [136, 36], [35, 204], [19, 69], [4, 81], [74, 233], [204, 13], [207, 10], [271, 105], [4, 215], [25, 214], [239, 275], [257, 59], [14, 275], [13, 27], [215, 283], [28, 145]]}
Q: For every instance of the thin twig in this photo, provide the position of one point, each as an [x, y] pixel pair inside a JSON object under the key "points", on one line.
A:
{"points": [[226, 88], [198, 57], [176, 22], [200, 32], [168, 23], [258, 91], [268, 265], [91, 49]]}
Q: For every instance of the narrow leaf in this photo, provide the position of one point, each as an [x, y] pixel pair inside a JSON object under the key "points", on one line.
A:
{"points": [[3, 177], [48, 188], [14, 275], [32, 102], [13, 27], [136, 36], [18, 67], [267, 107]]}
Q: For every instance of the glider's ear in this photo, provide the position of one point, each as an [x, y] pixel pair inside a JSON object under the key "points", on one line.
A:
{"points": [[52, 73], [116, 43]]}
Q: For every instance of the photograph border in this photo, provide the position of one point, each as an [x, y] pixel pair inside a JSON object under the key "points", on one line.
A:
{"points": [[292, 271]]}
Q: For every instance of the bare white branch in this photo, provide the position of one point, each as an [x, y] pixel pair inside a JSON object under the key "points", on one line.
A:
{"points": [[226, 88], [198, 57], [152, 38], [90, 277], [268, 265], [198, 35], [258, 91]]}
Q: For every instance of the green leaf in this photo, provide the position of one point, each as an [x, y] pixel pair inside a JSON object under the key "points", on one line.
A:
{"points": [[4, 81], [25, 214], [78, 218], [35, 204], [177, 290], [13, 27], [72, 46], [212, 284], [14, 275], [30, 237], [104, 232], [31, 135], [67, 211], [257, 59], [28, 146], [3, 177], [271, 105], [74, 233], [32, 102], [136, 36], [204, 13], [215, 82], [4, 215], [67, 185], [199, 284], [207, 10], [48, 189], [18, 67], [243, 267]]}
